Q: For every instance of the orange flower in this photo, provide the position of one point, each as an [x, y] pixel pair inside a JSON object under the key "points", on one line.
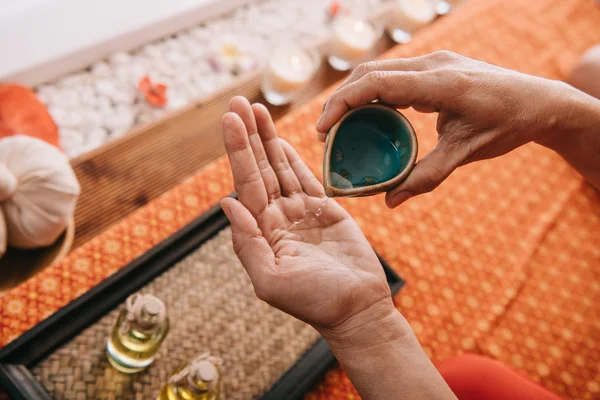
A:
{"points": [[155, 94], [334, 8], [22, 113]]}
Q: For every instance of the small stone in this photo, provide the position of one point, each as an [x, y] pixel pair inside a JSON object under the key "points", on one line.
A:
{"points": [[64, 118], [117, 95], [176, 102], [164, 67], [153, 51], [90, 119], [119, 58], [122, 118], [101, 70], [76, 79], [88, 96], [96, 138], [176, 58], [173, 43], [65, 98]]}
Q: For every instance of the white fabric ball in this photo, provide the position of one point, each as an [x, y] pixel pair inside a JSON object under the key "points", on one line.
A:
{"points": [[38, 191]]}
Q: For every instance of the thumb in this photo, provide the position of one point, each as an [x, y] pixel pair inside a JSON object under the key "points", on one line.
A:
{"points": [[426, 175]]}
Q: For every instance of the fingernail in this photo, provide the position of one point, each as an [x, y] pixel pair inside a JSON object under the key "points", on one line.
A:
{"points": [[399, 198], [225, 208]]}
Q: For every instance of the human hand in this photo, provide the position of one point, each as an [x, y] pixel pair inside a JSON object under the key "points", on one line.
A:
{"points": [[303, 252], [484, 111]]}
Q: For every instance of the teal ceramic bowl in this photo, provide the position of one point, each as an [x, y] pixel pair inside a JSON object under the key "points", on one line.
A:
{"points": [[370, 150]]}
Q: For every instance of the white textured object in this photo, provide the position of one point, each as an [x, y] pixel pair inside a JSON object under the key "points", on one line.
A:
{"points": [[192, 63], [411, 15], [352, 39], [38, 191]]}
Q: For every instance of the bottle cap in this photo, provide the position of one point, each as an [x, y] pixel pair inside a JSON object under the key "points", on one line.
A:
{"points": [[205, 371], [145, 311]]}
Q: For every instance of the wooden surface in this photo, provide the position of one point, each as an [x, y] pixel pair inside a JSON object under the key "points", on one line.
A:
{"points": [[129, 172]]}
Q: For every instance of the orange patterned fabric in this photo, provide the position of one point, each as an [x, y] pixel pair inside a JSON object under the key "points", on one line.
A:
{"points": [[503, 259]]}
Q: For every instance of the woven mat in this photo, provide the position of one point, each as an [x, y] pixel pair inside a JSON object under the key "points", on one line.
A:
{"points": [[500, 260], [211, 306]]}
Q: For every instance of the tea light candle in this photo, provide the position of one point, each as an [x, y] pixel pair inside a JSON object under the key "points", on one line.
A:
{"points": [[289, 70], [352, 41], [408, 16]]}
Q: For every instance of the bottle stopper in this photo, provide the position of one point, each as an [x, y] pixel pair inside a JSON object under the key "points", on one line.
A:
{"points": [[201, 375], [144, 311]]}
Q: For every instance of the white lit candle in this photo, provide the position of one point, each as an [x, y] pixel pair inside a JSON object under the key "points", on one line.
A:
{"points": [[352, 39], [410, 15], [289, 69]]}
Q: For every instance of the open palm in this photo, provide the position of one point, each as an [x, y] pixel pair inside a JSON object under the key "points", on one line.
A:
{"points": [[303, 252]]}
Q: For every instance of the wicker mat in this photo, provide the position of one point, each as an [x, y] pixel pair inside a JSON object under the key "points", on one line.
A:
{"points": [[211, 306]]}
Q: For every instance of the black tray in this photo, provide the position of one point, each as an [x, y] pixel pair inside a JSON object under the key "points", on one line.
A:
{"points": [[35, 344]]}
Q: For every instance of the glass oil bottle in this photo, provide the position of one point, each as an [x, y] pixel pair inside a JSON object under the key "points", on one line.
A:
{"points": [[138, 333], [200, 380]]}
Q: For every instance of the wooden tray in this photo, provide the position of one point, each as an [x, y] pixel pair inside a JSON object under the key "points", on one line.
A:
{"points": [[19, 359]]}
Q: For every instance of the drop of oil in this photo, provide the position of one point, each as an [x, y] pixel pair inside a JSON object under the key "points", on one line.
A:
{"points": [[310, 215], [321, 208]]}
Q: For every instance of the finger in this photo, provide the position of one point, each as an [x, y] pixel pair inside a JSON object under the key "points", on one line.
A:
{"points": [[420, 63], [249, 244], [288, 182], [247, 180], [310, 184], [396, 88], [426, 175], [241, 106], [425, 62]]}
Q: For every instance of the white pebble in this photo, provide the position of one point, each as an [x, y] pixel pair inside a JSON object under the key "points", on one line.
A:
{"points": [[176, 102], [78, 78], [90, 120], [65, 98], [101, 70], [176, 58], [96, 138], [119, 58], [121, 118], [120, 95], [88, 97], [68, 118]]}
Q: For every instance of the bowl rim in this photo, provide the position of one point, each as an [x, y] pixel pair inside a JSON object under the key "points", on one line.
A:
{"points": [[332, 191]]}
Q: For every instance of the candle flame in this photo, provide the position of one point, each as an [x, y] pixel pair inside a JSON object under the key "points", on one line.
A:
{"points": [[359, 26]]}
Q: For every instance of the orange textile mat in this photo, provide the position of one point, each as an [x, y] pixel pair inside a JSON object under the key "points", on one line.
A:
{"points": [[502, 259]]}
